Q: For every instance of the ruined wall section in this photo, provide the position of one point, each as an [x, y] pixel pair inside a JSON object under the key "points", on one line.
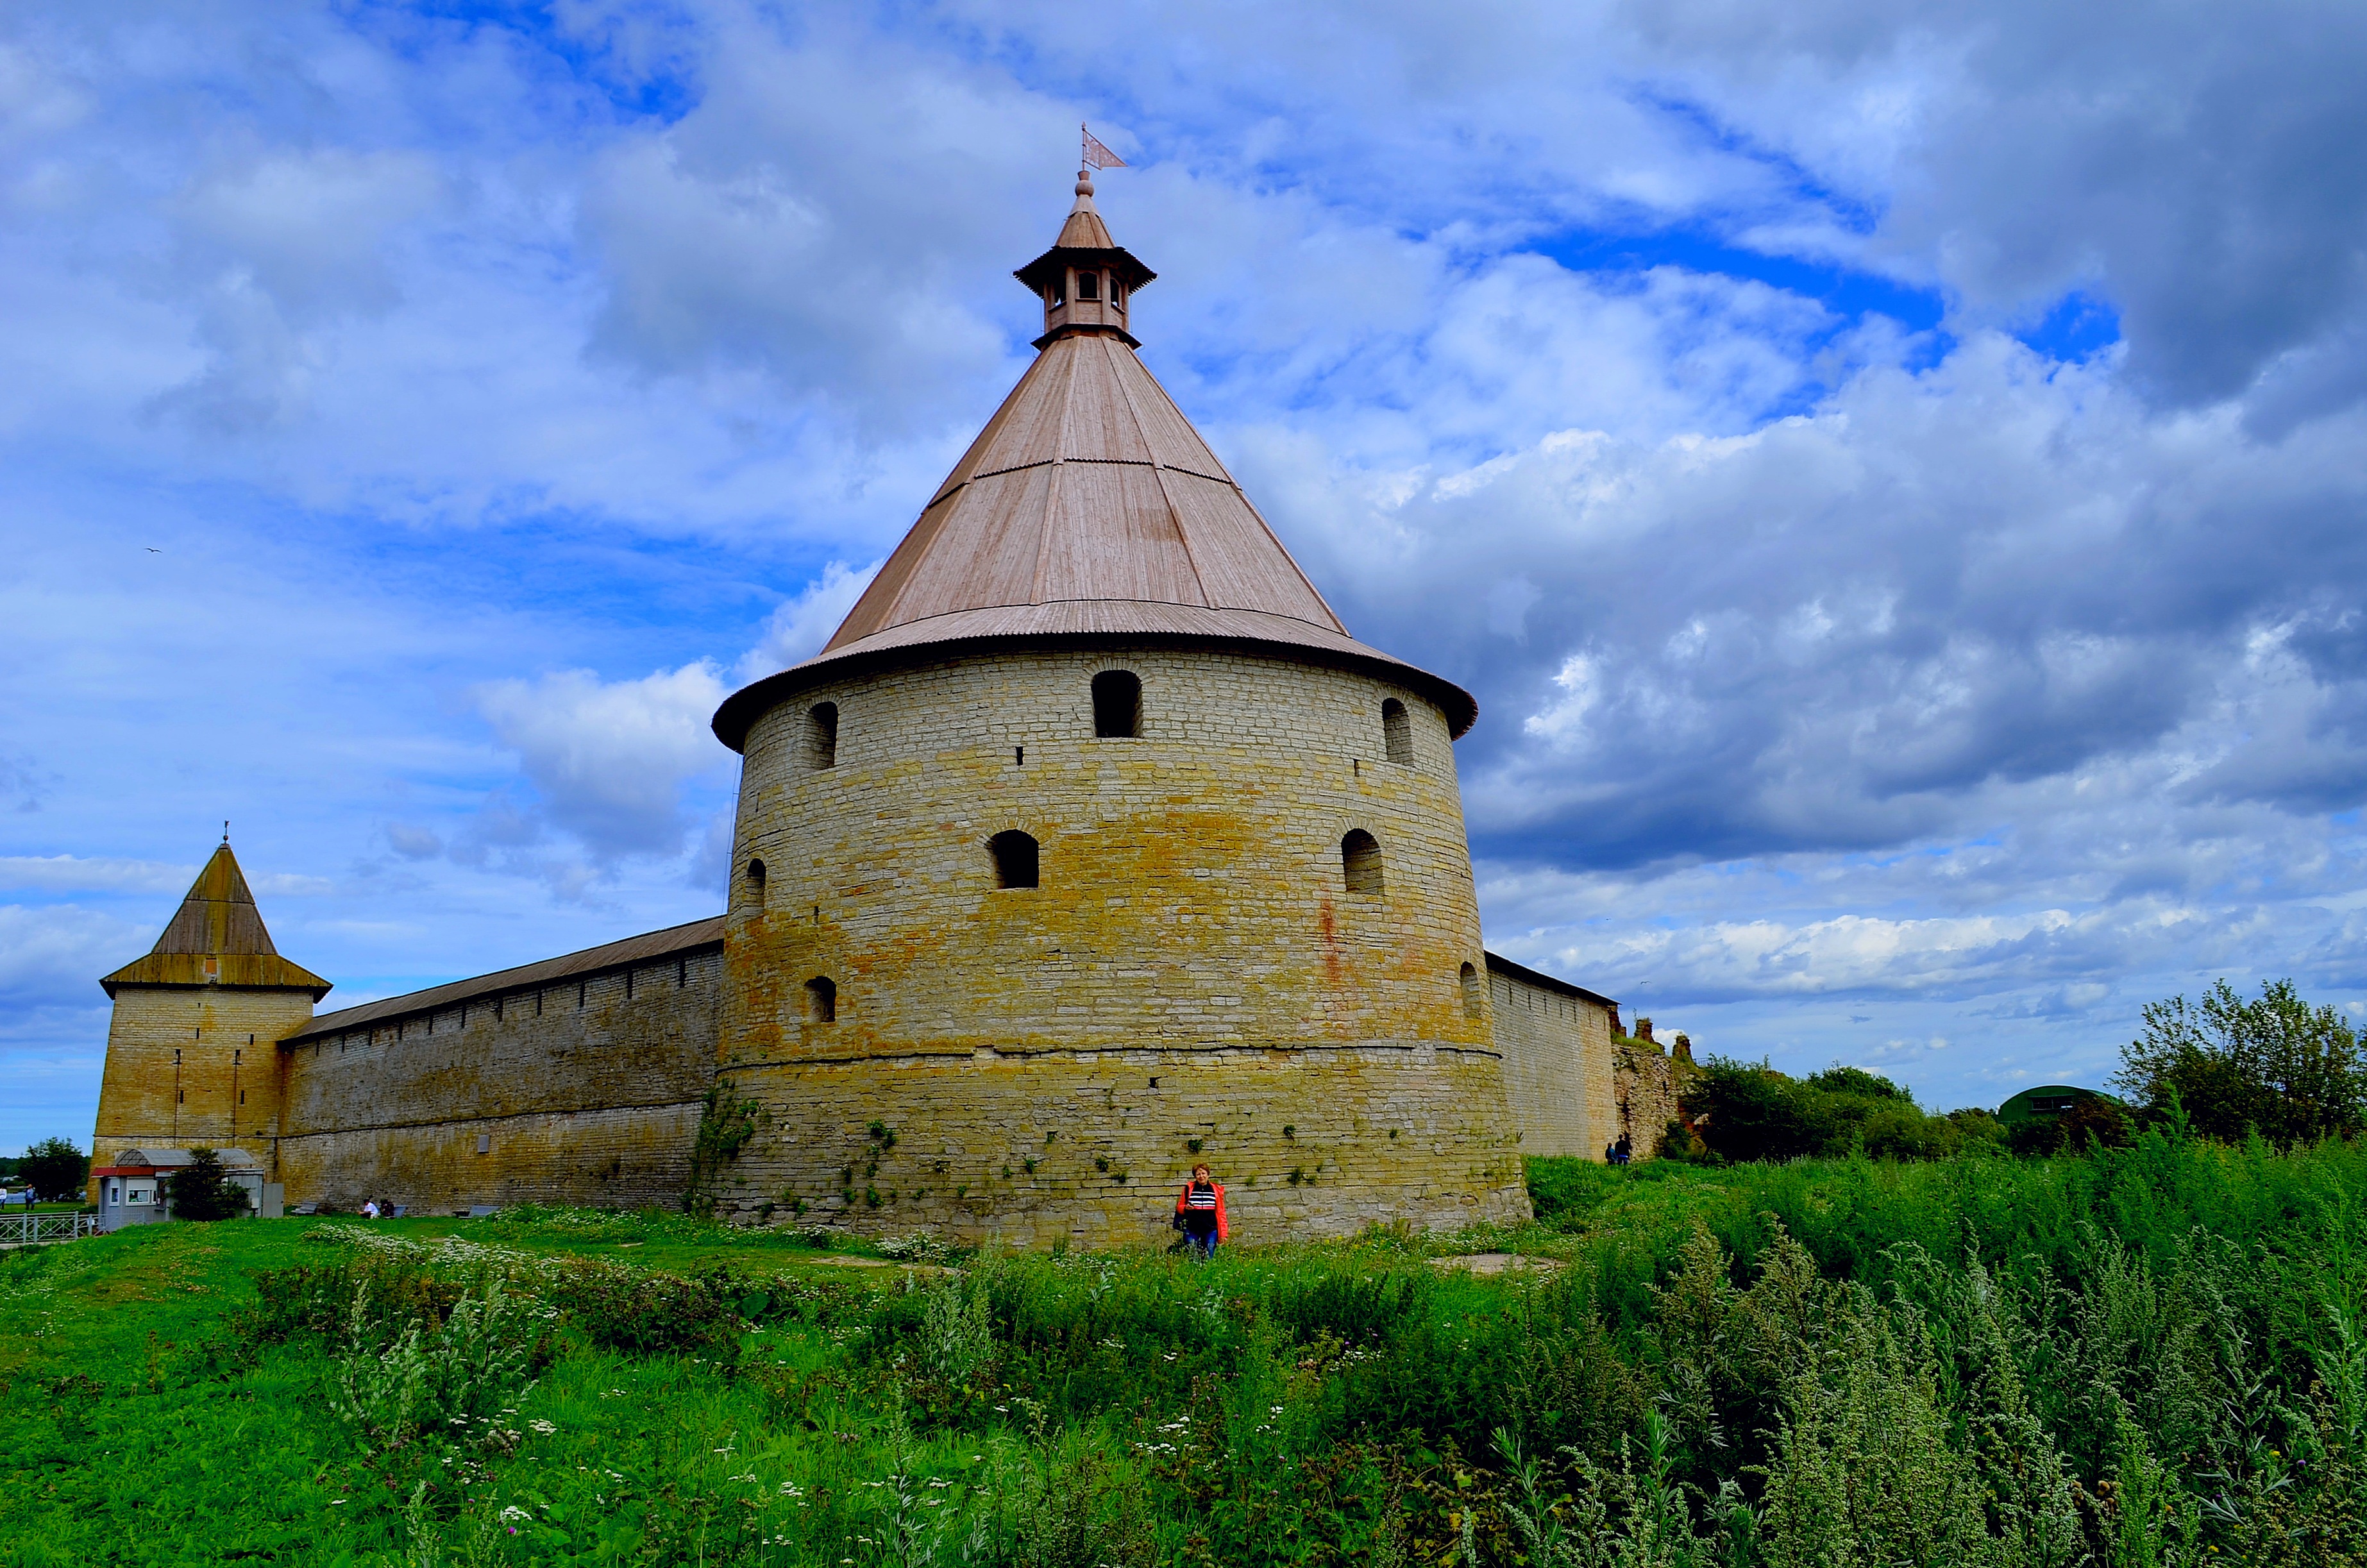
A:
{"points": [[1193, 965], [1646, 1083], [585, 1089], [1557, 1045]]}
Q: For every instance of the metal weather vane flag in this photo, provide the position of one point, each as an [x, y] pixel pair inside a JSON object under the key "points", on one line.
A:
{"points": [[1098, 156]]}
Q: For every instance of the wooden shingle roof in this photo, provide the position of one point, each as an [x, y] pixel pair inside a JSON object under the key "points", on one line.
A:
{"points": [[217, 937], [1087, 507], [673, 942]]}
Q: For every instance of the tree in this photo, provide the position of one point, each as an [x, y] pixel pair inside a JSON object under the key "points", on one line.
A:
{"points": [[203, 1190], [55, 1170], [2277, 1065]]}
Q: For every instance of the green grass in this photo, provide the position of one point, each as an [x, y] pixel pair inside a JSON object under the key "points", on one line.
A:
{"points": [[2150, 1356]]}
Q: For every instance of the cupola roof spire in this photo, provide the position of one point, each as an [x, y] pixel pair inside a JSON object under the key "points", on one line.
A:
{"points": [[1087, 279], [1089, 509]]}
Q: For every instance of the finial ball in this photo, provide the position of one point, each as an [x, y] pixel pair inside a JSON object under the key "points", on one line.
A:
{"points": [[1084, 182]]}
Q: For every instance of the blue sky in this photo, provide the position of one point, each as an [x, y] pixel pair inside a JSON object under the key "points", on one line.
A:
{"points": [[1893, 476]]}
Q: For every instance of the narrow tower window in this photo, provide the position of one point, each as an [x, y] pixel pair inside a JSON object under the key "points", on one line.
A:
{"points": [[1397, 732], [756, 881], [1360, 858], [1117, 705], [1470, 992], [1014, 860], [822, 735], [1088, 285], [821, 1000], [1117, 291]]}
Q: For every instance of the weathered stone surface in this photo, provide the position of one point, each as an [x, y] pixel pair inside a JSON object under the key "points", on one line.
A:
{"points": [[586, 1091], [1558, 1067], [1646, 1085], [1193, 925], [189, 1065]]}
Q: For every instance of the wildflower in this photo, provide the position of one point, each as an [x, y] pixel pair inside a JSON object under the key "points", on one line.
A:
{"points": [[512, 1514], [545, 1427]]}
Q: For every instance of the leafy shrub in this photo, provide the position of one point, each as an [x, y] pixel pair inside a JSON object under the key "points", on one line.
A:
{"points": [[55, 1170], [646, 1312], [317, 1300], [452, 1381], [1744, 1111], [203, 1190]]}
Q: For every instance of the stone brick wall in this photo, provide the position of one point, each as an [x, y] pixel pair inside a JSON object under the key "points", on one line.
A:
{"points": [[192, 1066], [1092, 1147], [585, 1091], [1193, 921], [1558, 1067]]}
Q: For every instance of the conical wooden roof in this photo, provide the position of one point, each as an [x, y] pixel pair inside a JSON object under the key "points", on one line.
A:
{"points": [[217, 937], [1089, 507]]}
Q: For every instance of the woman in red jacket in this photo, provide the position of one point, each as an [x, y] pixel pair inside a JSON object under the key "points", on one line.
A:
{"points": [[1201, 1210]]}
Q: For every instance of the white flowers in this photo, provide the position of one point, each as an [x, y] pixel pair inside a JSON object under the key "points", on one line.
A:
{"points": [[513, 1514], [545, 1427]]}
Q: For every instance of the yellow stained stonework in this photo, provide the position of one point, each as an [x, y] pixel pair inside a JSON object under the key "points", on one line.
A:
{"points": [[195, 1065], [1192, 965]]}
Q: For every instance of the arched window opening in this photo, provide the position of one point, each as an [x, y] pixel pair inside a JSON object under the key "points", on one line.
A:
{"points": [[1397, 732], [1056, 293], [1088, 285], [1014, 860], [821, 1000], [1360, 858], [822, 735], [1117, 705], [1470, 992], [756, 881], [1117, 291]]}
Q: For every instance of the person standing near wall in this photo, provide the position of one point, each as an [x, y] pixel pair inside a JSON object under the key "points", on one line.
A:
{"points": [[1201, 1207]]}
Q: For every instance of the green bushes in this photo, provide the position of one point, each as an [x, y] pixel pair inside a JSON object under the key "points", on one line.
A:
{"points": [[1742, 1111], [645, 1312], [55, 1170], [2278, 1066], [455, 1381]]}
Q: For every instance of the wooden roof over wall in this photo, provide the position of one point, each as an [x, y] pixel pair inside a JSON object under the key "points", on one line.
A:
{"points": [[1499, 964], [673, 942]]}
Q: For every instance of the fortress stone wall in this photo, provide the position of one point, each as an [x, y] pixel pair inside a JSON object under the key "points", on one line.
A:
{"points": [[1555, 1039], [576, 1081], [1192, 967]]}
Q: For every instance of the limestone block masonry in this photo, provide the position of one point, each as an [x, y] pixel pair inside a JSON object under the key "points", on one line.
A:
{"points": [[1555, 1041], [1191, 978], [191, 1066], [581, 1088]]}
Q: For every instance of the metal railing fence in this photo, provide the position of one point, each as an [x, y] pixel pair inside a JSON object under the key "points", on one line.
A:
{"points": [[24, 1229]]}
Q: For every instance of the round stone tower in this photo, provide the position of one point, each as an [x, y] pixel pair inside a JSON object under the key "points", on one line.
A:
{"points": [[1094, 846]]}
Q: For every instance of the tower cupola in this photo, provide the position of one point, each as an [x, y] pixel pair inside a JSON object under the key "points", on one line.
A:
{"points": [[1087, 279]]}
